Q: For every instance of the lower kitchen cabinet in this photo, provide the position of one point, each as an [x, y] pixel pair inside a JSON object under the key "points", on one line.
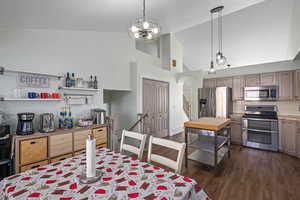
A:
{"points": [[298, 141], [60, 158], [34, 165], [35, 151], [288, 136], [236, 132]]}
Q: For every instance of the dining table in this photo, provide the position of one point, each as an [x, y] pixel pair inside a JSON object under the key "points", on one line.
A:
{"points": [[124, 177]]}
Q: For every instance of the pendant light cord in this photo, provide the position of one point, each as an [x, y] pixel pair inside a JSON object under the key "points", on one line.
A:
{"points": [[220, 31], [144, 10], [212, 37]]}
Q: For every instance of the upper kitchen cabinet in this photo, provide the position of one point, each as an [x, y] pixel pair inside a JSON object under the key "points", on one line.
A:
{"points": [[286, 82], [297, 84], [252, 80], [224, 82], [238, 83], [209, 83], [267, 79]]}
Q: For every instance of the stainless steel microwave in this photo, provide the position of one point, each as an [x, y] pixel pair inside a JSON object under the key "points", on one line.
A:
{"points": [[264, 93]]}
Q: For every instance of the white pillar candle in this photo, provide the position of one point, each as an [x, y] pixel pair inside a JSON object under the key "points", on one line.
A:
{"points": [[90, 156]]}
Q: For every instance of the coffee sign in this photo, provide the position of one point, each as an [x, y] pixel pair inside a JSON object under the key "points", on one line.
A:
{"points": [[34, 81]]}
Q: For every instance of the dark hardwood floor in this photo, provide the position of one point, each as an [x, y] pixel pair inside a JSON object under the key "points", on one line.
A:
{"points": [[248, 175]]}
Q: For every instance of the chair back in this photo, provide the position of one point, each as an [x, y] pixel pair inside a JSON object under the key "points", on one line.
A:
{"points": [[130, 148], [180, 147]]}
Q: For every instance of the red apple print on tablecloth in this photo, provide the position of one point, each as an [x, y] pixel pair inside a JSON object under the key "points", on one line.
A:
{"points": [[132, 173], [107, 179], [41, 168], [34, 195], [161, 187], [186, 179], [50, 181], [133, 195], [109, 170], [66, 198], [100, 191], [132, 183], [11, 189], [26, 178], [133, 158], [59, 172], [160, 175], [73, 186]]}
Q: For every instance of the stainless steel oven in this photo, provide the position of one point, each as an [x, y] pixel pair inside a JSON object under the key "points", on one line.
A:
{"points": [[260, 128], [266, 93]]}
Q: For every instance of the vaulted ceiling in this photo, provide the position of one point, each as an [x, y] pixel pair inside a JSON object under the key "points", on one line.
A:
{"points": [[109, 15], [262, 33]]}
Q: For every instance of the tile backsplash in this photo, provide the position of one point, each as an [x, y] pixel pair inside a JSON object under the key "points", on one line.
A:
{"points": [[284, 107]]}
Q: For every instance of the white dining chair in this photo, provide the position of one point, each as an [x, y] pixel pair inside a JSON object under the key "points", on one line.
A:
{"points": [[180, 147], [130, 148]]}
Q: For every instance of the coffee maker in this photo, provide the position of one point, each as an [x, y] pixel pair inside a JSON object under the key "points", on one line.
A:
{"points": [[25, 124]]}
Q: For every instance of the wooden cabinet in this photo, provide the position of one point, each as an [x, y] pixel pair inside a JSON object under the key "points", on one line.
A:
{"points": [[236, 132], [33, 150], [209, 83], [267, 79], [100, 135], [252, 80], [286, 81], [39, 149], [224, 82], [60, 158], [100, 146], [60, 144], [288, 134], [80, 139], [33, 166], [297, 84], [298, 141], [238, 88]]}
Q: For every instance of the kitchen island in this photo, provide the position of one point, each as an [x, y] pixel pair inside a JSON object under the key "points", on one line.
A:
{"points": [[212, 141]]}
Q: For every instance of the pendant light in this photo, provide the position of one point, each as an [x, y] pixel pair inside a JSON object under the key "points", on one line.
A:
{"points": [[220, 58], [212, 68], [144, 28]]}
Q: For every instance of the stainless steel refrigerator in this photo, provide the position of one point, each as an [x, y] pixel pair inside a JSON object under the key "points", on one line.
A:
{"points": [[215, 102]]}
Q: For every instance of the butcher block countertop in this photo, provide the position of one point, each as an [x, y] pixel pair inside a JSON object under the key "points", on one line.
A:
{"points": [[208, 123]]}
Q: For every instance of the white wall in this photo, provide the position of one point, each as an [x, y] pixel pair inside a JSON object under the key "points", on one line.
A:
{"points": [[295, 29], [257, 34], [176, 54], [131, 103], [106, 55]]}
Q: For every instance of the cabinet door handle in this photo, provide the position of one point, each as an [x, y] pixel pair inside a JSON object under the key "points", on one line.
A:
{"points": [[35, 166], [62, 159], [33, 142]]}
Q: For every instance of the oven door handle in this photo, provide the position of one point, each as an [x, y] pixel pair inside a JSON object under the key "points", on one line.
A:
{"points": [[264, 131], [269, 120]]}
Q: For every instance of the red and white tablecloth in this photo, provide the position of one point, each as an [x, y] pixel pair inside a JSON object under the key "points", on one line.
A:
{"points": [[124, 178]]}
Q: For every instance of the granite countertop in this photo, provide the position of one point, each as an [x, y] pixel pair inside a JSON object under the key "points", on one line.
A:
{"points": [[289, 117]]}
